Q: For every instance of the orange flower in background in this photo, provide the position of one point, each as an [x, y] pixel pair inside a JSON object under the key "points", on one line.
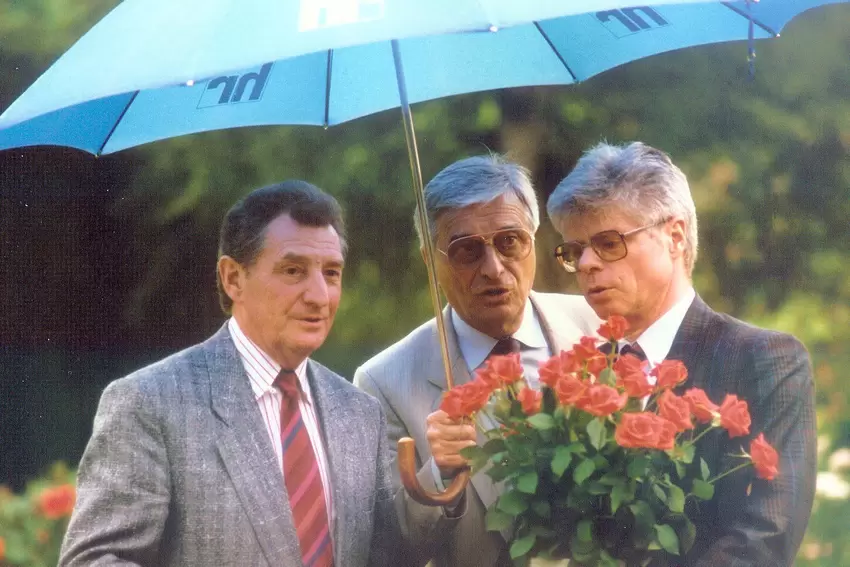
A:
{"points": [[559, 366], [57, 501], [669, 373], [765, 459], [586, 349], [570, 390], [631, 376], [614, 328], [702, 408], [466, 399], [601, 400], [596, 365], [734, 416], [500, 370], [531, 400], [2, 549], [645, 430], [676, 410]]}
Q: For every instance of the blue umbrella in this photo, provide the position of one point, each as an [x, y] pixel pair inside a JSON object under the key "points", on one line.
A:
{"points": [[155, 69]]}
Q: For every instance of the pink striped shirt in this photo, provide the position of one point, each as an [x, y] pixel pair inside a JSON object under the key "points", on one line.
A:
{"points": [[262, 371]]}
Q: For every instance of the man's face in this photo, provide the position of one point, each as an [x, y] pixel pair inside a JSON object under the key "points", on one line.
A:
{"points": [[643, 285], [489, 294], [286, 301]]}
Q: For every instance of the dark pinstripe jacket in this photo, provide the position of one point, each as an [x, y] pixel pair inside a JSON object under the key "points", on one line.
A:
{"points": [[772, 372]]}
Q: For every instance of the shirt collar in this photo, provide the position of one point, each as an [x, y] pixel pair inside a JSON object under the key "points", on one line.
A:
{"points": [[657, 339], [475, 346], [260, 367]]}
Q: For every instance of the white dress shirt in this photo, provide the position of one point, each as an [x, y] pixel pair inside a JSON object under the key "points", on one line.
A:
{"points": [[657, 339], [262, 371]]}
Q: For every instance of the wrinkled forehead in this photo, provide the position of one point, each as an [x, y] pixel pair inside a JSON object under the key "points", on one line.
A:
{"points": [[581, 224], [506, 211]]}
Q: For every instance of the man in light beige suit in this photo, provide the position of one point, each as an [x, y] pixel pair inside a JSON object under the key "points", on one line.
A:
{"points": [[483, 214]]}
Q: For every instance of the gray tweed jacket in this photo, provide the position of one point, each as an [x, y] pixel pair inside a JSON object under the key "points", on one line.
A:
{"points": [[180, 470]]}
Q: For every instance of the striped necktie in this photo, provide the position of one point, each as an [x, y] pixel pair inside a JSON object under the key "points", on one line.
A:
{"points": [[302, 478]]}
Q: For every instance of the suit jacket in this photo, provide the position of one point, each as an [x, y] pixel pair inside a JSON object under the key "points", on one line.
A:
{"points": [[408, 379], [772, 372], [180, 470]]}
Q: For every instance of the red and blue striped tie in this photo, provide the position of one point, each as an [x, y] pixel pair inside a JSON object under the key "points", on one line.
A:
{"points": [[302, 478]]}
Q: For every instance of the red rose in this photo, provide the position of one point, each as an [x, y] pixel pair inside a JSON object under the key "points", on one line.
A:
{"points": [[631, 376], [57, 501], [559, 366], [2, 549], [570, 390], [645, 430], [675, 410], [466, 399], [614, 328], [500, 370], [669, 373], [596, 365], [530, 400], [601, 400], [765, 458], [702, 408], [734, 416], [586, 349]]}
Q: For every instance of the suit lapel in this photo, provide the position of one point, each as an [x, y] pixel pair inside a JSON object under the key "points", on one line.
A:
{"points": [[691, 343], [246, 451], [343, 458]]}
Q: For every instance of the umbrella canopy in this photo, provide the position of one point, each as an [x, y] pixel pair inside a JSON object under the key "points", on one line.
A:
{"points": [[106, 93]]}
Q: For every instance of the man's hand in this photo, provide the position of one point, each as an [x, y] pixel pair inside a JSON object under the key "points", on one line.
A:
{"points": [[447, 437]]}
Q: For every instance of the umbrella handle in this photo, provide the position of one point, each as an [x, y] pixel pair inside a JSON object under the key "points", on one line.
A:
{"points": [[407, 469]]}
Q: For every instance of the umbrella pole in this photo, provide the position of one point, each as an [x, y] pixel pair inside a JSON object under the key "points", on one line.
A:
{"points": [[406, 445]]}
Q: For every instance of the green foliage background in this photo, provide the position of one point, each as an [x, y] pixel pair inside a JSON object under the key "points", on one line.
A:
{"points": [[108, 263]]}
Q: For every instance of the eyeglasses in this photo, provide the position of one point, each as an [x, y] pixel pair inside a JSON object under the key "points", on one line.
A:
{"points": [[609, 245], [512, 244]]}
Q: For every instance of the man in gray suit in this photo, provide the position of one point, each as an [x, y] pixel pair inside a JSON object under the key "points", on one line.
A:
{"points": [[483, 215], [630, 232], [241, 450]]}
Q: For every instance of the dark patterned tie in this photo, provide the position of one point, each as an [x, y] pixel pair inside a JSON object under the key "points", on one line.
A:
{"points": [[302, 478], [634, 350], [506, 345]]}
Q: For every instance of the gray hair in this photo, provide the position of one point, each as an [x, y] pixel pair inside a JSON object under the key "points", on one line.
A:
{"points": [[636, 177], [477, 180]]}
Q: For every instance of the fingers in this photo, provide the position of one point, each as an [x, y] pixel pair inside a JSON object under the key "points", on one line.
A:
{"points": [[447, 437]]}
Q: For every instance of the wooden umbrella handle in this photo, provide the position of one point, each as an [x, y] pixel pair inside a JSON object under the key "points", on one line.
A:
{"points": [[407, 469]]}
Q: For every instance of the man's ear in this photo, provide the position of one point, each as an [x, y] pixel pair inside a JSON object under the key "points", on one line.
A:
{"points": [[232, 277], [678, 240]]}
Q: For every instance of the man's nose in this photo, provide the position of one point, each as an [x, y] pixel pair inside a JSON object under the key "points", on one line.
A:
{"points": [[491, 263], [589, 260], [316, 291]]}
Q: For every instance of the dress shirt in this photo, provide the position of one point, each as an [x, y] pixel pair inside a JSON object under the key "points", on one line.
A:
{"points": [[262, 371], [657, 339]]}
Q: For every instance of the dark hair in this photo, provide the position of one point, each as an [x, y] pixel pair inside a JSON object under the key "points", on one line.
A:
{"points": [[243, 230]]}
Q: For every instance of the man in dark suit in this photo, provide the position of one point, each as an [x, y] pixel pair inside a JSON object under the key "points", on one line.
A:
{"points": [[630, 231], [241, 450]]}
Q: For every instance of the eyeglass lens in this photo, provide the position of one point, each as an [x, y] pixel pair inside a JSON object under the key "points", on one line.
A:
{"points": [[511, 244], [609, 245]]}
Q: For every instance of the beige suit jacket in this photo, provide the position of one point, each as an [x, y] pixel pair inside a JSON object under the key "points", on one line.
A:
{"points": [[408, 379]]}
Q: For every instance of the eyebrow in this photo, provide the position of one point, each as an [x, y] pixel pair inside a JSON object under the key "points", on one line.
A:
{"points": [[301, 258], [466, 234]]}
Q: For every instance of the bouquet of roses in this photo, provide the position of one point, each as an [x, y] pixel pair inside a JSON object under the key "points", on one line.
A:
{"points": [[598, 465]]}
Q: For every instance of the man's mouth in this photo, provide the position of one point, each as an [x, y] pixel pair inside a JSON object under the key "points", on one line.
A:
{"points": [[494, 292], [597, 289]]}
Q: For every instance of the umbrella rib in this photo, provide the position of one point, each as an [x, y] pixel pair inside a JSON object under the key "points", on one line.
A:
{"points": [[115, 125], [328, 86], [744, 14], [558, 53]]}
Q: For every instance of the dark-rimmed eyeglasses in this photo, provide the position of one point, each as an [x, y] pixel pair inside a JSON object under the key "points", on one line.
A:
{"points": [[512, 244], [609, 245]]}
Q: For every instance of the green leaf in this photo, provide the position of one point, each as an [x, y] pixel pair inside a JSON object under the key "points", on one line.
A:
{"points": [[512, 502], [688, 453], [523, 545], [496, 520], [687, 534], [597, 488], [659, 492], [583, 471], [704, 470], [542, 508], [527, 482], [561, 460], [607, 377], [667, 538], [541, 421], [476, 456], [681, 470], [676, 499], [644, 516], [637, 467], [621, 494], [584, 531], [494, 446], [703, 490], [596, 432]]}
